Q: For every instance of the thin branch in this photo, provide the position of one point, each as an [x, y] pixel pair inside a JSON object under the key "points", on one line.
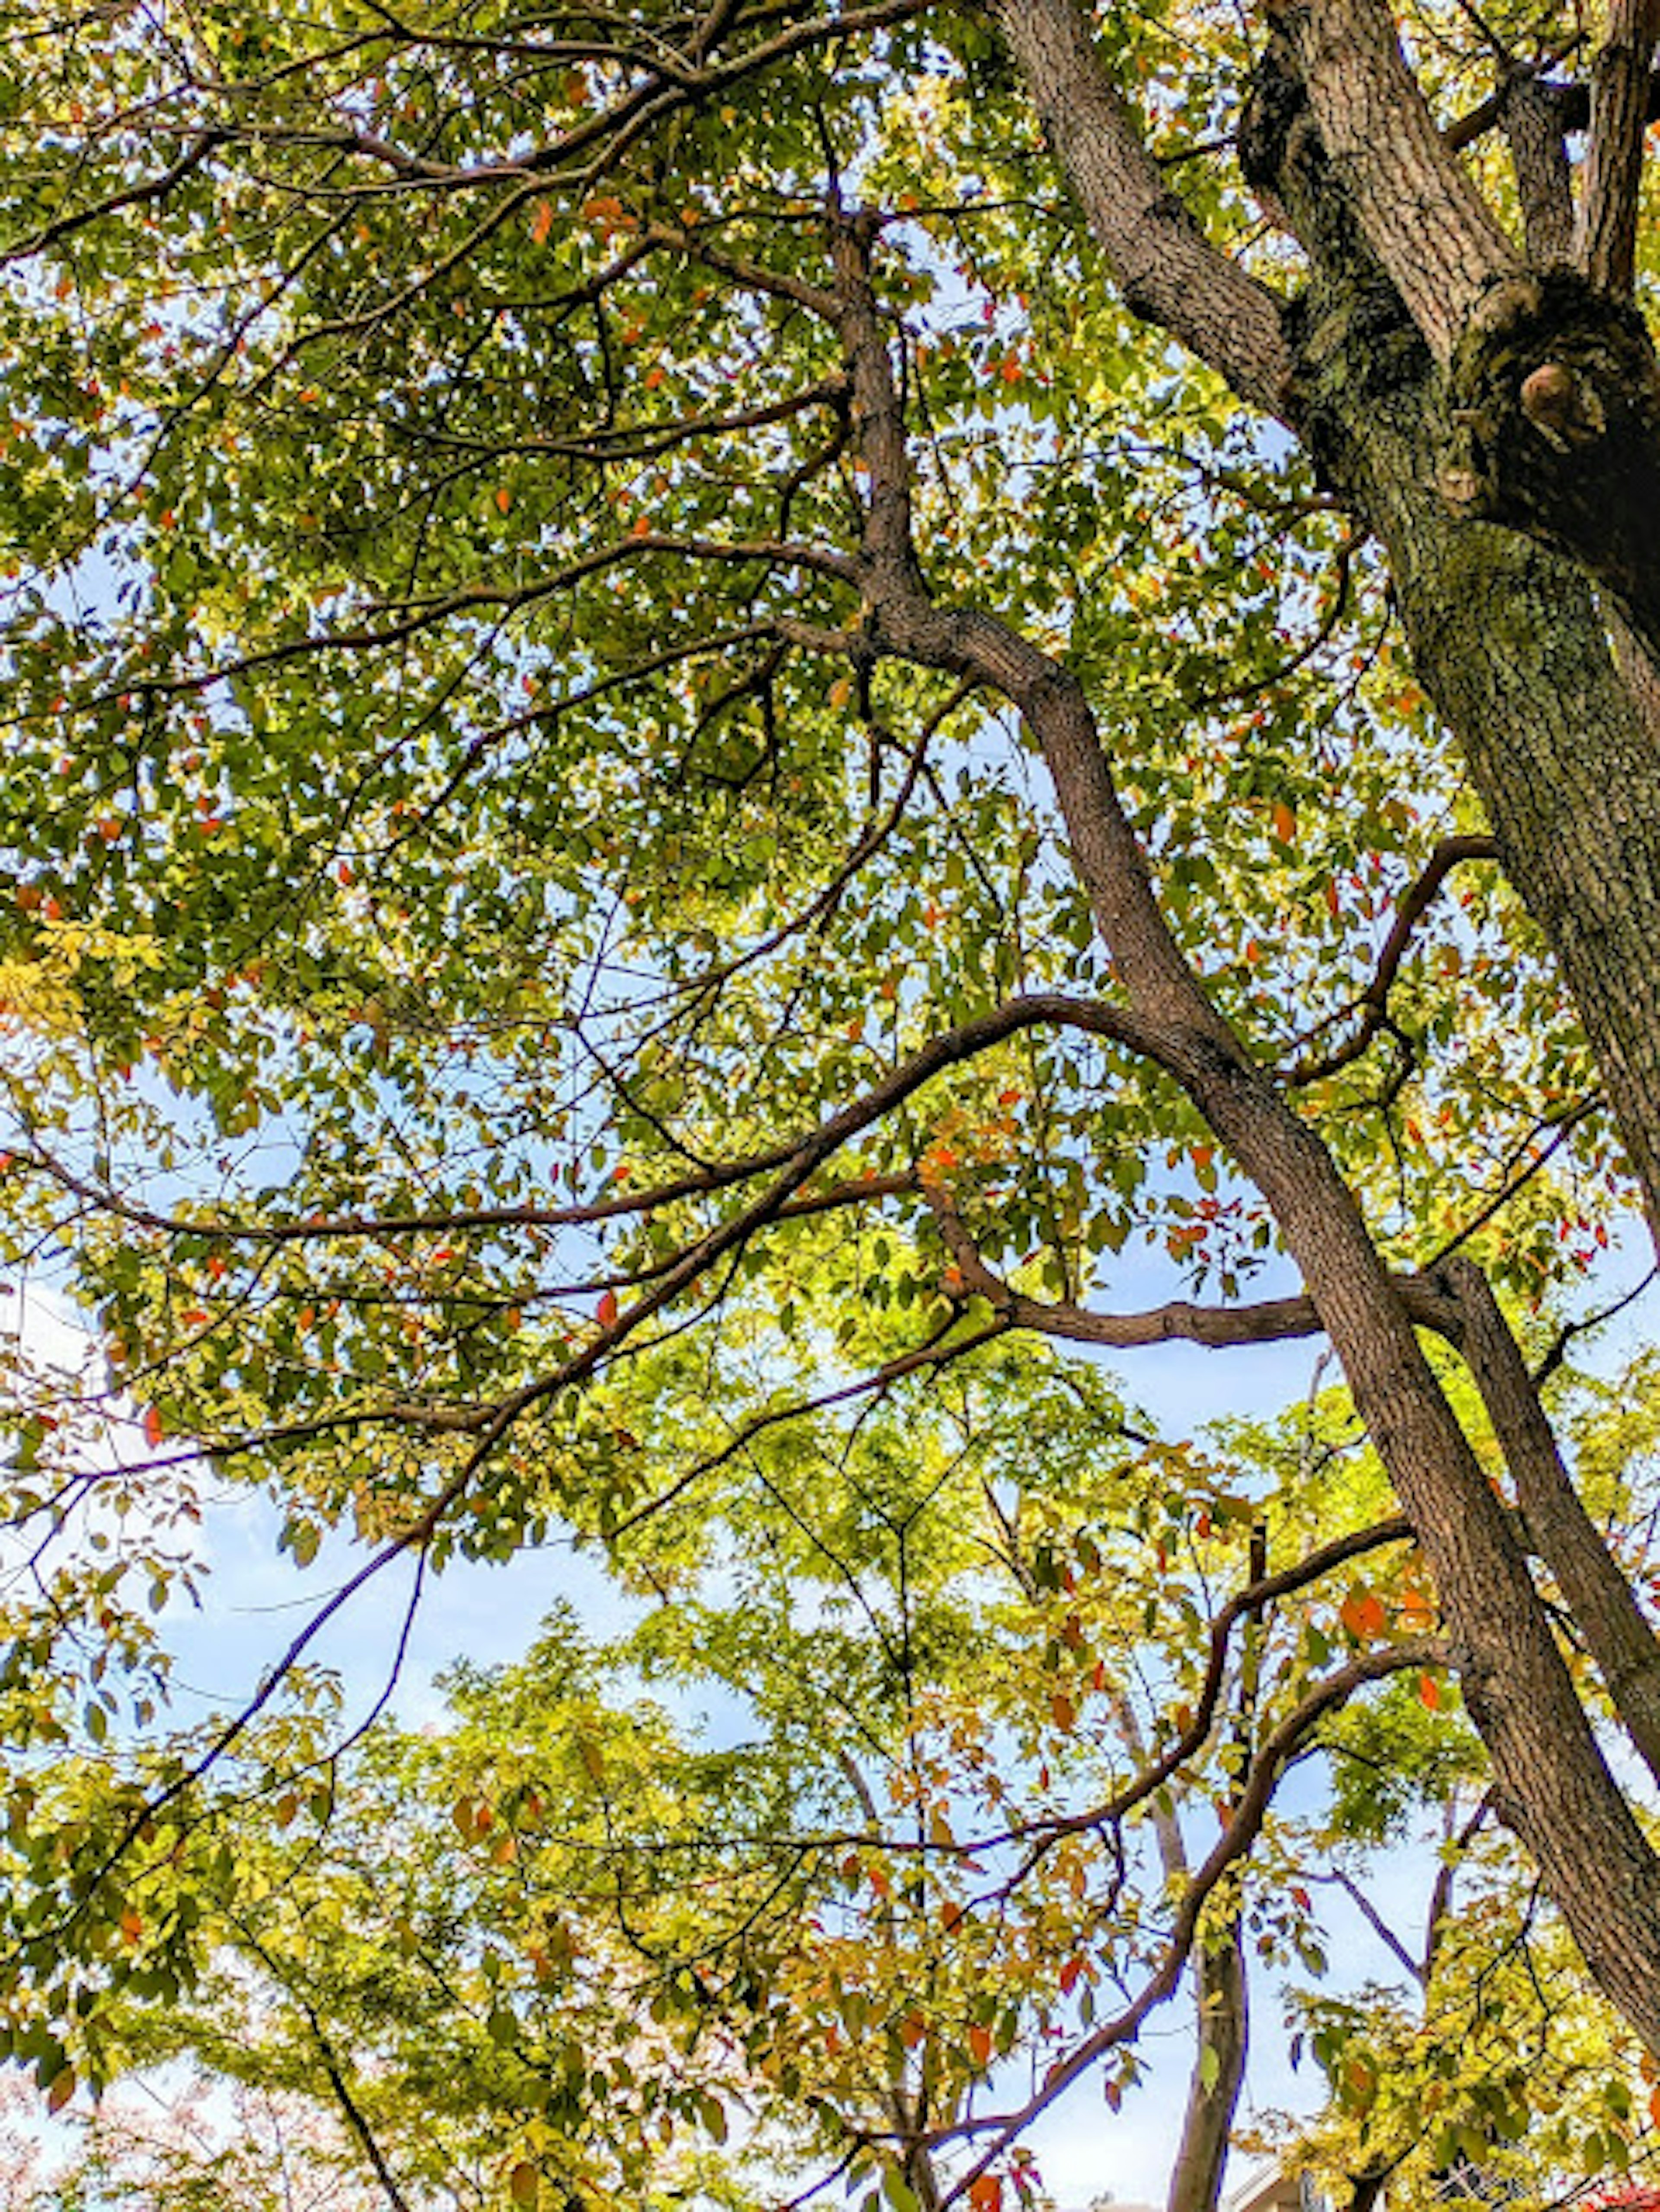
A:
{"points": [[1372, 1003], [1280, 1748]]}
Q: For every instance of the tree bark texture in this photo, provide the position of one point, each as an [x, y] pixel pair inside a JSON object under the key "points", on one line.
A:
{"points": [[1399, 401], [1221, 2000], [1506, 632]]}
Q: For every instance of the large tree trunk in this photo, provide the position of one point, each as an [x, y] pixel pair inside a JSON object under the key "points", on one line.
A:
{"points": [[1507, 635]]}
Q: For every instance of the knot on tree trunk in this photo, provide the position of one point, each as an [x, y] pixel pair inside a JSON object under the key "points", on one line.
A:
{"points": [[1554, 399]]}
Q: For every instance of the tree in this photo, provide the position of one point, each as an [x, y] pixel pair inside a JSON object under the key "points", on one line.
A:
{"points": [[546, 550], [559, 1938]]}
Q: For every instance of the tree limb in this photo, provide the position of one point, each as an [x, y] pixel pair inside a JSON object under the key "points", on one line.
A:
{"points": [[1421, 215], [1605, 1611], [1169, 272], [1267, 1320], [1605, 246], [1372, 1005]]}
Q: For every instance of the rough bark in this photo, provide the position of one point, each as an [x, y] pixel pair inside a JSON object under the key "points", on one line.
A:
{"points": [[1554, 398], [1508, 637], [1539, 155], [1604, 1609], [1418, 212], [1160, 258], [1606, 243]]}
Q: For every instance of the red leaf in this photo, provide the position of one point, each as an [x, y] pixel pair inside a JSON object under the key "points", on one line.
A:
{"points": [[607, 1309], [153, 1431]]}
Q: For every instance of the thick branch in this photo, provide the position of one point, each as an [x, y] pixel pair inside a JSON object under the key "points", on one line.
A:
{"points": [[1544, 186], [1266, 1321], [1421, 215], [1169, 272], [1606, 247], [1604, 1611]]}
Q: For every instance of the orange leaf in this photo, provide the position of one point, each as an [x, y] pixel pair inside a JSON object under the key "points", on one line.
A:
{"points": [[986, 2193], [541, 222], [1362, 1614], [153, 1431], [503, 497], [607, 1309], [980, 2045], [1285, 823], [1066, 1713], [1429, 1693]]}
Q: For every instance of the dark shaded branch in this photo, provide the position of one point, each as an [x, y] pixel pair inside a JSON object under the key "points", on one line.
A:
{"points": [[139, 195], [1269, 1320], [1372, 1005], [1544, 180]]}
